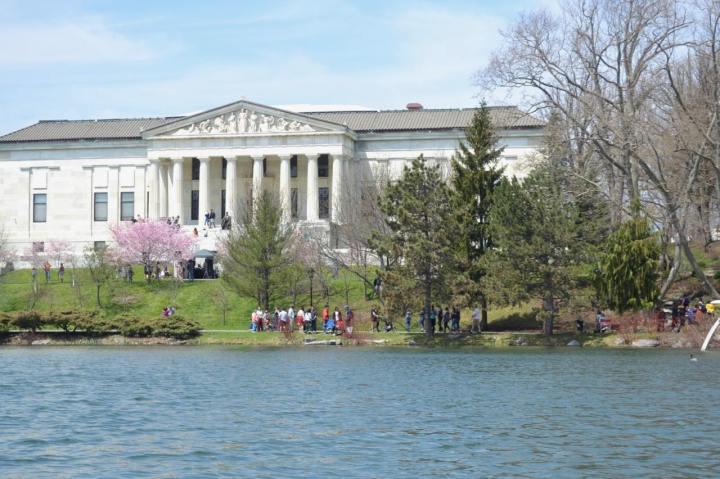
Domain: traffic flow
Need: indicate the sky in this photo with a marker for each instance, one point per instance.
(75, 59)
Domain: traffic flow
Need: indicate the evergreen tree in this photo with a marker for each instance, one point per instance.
(537, 244)
(254, 254)
(475, 175)
(627, 273)
(419, 216)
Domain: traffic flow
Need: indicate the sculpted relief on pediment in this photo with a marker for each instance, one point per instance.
(243, 121)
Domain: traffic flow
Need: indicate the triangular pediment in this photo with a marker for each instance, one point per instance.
(242, 118)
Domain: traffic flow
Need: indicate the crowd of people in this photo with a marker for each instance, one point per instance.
(676, 314)
(303, 319)
(336, 322)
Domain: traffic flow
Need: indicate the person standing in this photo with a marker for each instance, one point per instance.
(291, 318)
(421, 320)
(446, 320)
(313, 319)
(408, 320)
(282, 320)
(375, 319)
(455, 326)
(432, 318)
(476, 320)
(253, 321)
(47, 267)
(61, 272)
(350, 319)
(325, 316)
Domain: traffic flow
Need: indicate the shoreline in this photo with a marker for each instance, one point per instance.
(488, 340)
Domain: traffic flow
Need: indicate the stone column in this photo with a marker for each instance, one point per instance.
(257, 179)
(204, 186)
(163, 191)
(312, 187)
(153, 179)
(177, 177)
(285, 187)
(336, 189)
(231, 187)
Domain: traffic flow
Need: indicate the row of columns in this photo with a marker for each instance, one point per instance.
(167, 199)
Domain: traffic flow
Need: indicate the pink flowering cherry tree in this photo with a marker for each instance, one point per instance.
(150, 241)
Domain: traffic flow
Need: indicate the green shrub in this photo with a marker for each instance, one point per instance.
(174, 326)
(31, 320)
(717, 275)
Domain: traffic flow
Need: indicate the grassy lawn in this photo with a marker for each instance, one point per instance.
(203, 301)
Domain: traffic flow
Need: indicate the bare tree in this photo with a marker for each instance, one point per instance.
(604, 67)
(351, 246)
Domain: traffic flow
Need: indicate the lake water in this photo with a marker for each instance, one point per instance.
(181, 412)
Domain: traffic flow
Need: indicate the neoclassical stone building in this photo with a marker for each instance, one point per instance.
(70, 180)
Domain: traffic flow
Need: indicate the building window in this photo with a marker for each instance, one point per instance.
(293, 167)
(194, 204)
(323, 166)
(101, 207)
(38, 247)
(264, 167)
(324, 202)
(195, 169)
(127, 205)
(222, 203)
(294, 203)
(99, 245)
(224, 168)
(39, 208)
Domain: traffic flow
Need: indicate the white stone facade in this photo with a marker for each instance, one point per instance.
(176, 169)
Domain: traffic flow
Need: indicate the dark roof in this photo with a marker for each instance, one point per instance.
(431, 119)
(359, 121)
(62, 130)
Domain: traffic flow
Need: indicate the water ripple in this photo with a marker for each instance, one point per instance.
(233, 412)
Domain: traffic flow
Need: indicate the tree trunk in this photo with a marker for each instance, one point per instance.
(682, 239)
(677, 257)
(97, 294)
(429, 327)
(549, 304)
(484, 314)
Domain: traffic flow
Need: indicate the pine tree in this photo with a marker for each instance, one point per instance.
(254, 255)
(538, 244)
(418, 213)
(627, 273)
(475, 176)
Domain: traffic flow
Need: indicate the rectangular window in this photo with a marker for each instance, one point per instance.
(294, 203)
(99, 245)
(195, 169)
(39, 208)
(323, 166)
(101, 207)
(127, 205)
(222, 203)
(293, 167)
(324, 195)
(224, 168)
(194, 204)
(38, 246)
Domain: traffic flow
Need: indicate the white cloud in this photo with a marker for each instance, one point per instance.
(85, 40)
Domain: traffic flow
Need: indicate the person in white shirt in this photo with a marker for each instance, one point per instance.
(291, 318)
(283, 319)
(476, 320)
(307, 321)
